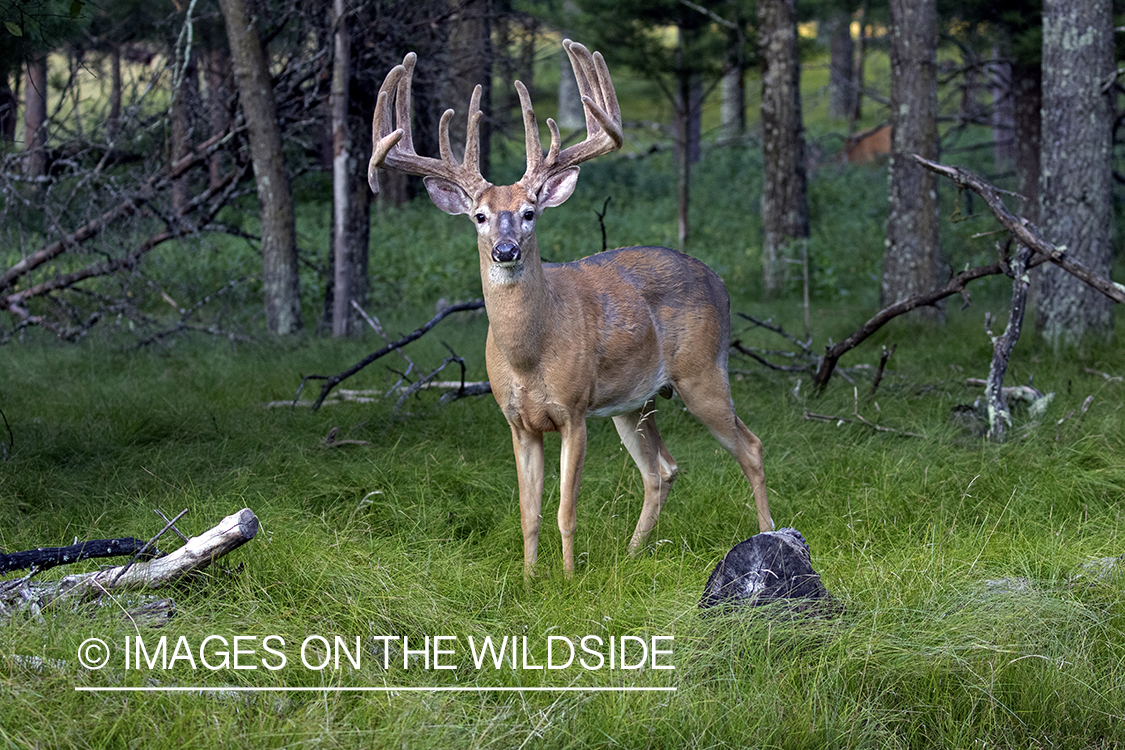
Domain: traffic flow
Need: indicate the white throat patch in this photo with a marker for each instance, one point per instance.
(503, 274)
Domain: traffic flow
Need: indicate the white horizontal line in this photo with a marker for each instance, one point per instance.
(404, 689)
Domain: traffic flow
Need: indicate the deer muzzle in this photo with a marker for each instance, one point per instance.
(505, 252)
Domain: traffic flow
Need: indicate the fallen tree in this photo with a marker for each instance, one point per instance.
(197, 553)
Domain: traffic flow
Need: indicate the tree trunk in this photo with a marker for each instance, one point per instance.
(1003, 115)
(279, 246)
(35, 118)
(912, 257)
(113, 118)
(185, 105)
(785, 203)
(732, 115)
(1075, 199)
(732, 111)
(841, 66)
(350, 207)
(1027, 99)
(687, 131)
(470, 64)
(217, 62)
(857, 73)
(9, 105)
(684, 148)
(572, 114)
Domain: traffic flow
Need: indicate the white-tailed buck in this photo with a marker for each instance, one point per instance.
(601, 336)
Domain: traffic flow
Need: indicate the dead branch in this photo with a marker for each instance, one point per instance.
(1090, 371)
(330, 440)
(377, 326)
(1024, 393)
(422, 382)
(759, 356)
(804, 346)
(955, 285)
(999, 417)
(14, 302)
(857, 418)
(883, 359)
(128, 207)
(331, 381)
(1025, 231)
(10, 447)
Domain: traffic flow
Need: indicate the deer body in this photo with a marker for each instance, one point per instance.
(600, 336)
(636, 308)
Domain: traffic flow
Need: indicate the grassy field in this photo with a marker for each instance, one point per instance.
(971, 612)
(967, 614)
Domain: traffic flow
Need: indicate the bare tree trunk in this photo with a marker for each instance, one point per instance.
(1075, 200)
(1003, 114)
(113, 117)
(9, 105)
(470, 64)
(342, 148)
(858, 72)
(349, 241)
(912, 257)
(785, 203)
(279, 245)
(35, 118)
(572, 116)
(841, 66)
(185, 105)
(217, 61)
(687, 130)
(732, 115)
(1027, 99)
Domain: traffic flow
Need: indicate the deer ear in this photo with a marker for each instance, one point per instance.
(558, 188)
(447, 196)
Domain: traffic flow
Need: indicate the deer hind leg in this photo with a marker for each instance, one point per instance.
(638, 433)
(707, 396)
(573, 456)
(529, 471)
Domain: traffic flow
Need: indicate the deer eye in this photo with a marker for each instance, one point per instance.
(480, 218)
(528, 215)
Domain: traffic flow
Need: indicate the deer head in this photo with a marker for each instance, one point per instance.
(504, 215)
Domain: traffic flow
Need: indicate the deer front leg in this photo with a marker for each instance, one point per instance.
(528, 446)
(573, 456)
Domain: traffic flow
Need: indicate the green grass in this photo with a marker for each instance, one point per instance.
(907, 534)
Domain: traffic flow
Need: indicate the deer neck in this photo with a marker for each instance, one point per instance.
(521, 306)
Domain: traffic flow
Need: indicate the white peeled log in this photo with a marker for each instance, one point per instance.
(199, 552)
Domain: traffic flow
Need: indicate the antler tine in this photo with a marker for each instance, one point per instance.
(472, 132)
(530, 131)
(603, 119)
(383, 139)
(603, 113)
(395, 149)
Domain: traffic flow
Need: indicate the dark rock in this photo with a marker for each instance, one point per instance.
(771, 566)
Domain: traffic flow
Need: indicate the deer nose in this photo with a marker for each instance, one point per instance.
(506, 252)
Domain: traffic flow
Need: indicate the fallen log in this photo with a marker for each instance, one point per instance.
(48, 557)
(199, 552)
